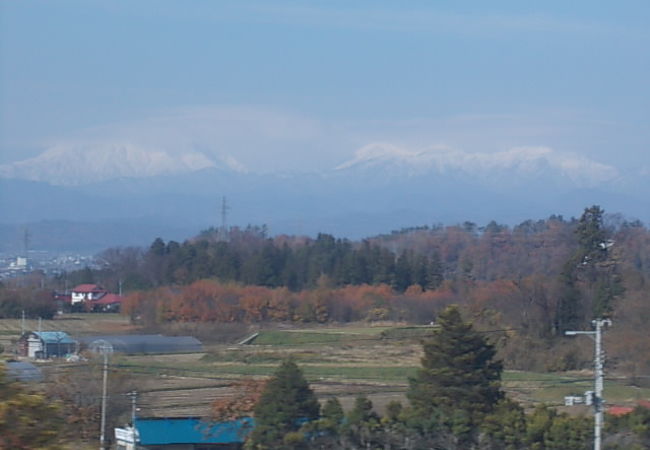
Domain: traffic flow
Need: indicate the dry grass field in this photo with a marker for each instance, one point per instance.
(338, 361)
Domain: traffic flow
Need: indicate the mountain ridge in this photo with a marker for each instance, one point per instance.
(354, 200)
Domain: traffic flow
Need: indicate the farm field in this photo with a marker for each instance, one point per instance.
(74, 324)
(338, 361)
(355, 362)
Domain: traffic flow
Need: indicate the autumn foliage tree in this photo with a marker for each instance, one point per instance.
(240, 402)
(28, 420)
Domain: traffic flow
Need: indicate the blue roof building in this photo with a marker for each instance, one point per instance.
(184, 433)
(46, 344)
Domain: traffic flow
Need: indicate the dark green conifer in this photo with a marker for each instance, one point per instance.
(286, 403)
(459, 380)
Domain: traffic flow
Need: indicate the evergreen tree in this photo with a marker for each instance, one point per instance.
(591, 234)
(505, 427)
(459, 381)
(403, 272)
(434, 273)
(589, 281)
(362, 424)
(568, 313)
(333, 413)
(285, 404)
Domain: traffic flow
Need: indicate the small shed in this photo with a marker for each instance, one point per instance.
(23, 371)
(46, 344)
(147, 343)
(184, 433)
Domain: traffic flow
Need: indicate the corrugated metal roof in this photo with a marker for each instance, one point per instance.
(54, 337)
(192, 430)
(148, 343)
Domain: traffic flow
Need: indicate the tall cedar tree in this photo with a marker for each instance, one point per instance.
(459, 380)
(286, 403)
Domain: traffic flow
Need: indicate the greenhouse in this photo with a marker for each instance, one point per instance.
(142, 343)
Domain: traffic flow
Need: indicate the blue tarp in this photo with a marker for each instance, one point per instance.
(192, 430)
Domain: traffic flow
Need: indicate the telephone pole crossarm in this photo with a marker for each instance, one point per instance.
(595, 397)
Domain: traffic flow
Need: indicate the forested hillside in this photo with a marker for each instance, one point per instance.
(534, 281)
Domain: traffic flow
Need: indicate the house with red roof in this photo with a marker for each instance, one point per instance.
(107, 303)
(623, 410)
(93, 297)
(619, 410)
(86, 292)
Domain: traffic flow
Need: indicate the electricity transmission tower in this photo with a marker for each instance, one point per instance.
(223, 229)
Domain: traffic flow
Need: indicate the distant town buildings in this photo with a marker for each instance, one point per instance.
(12, 265)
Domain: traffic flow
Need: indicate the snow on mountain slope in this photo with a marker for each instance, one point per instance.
(522, 163)
(82, 163)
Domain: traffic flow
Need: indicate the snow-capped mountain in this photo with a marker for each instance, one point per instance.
(382, 187)
(517, 164)
(84, 163)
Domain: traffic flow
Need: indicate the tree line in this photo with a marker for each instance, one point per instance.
(424, 256)
(248, 257)
(455, 401)
(537, 279)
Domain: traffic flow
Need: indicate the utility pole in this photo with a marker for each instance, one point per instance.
(105, 349)
(595, 398)
(134, 396)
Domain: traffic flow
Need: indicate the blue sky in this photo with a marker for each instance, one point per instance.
(310, 82)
